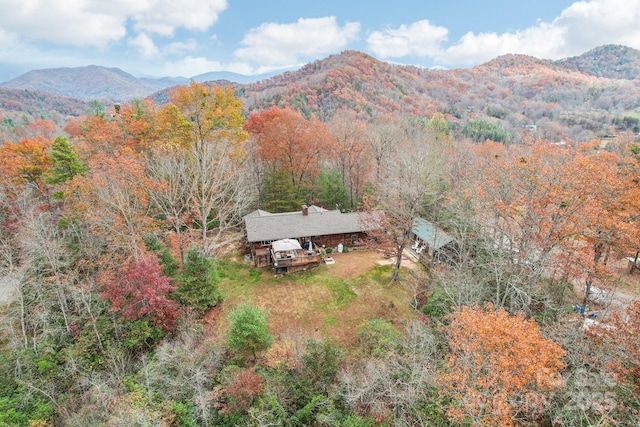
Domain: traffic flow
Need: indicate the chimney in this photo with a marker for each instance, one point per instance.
(305, 210)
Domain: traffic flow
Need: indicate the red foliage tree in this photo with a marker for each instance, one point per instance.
(140, 289)
(242, 389)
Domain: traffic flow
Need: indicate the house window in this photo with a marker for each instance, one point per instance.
(266, 243)
(317, 238)
(354, 239)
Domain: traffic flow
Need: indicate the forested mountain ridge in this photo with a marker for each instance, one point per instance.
(511, 91)
(593, 95)
(611, 61)
(32, 102)
(90, 82)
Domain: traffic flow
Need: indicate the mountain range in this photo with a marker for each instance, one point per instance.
(579, 97)
(101, 83)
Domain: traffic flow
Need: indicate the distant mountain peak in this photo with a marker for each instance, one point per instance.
(88, 82)
(610, 61)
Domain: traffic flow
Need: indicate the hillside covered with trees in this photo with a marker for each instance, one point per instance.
(593, 95)
(121, 235)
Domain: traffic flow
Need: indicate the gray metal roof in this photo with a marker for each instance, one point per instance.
(264, 226)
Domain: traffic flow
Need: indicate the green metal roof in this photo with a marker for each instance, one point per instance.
(435, 237)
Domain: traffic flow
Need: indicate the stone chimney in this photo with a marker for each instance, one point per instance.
(305, 210)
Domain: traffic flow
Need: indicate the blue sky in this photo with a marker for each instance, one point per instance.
(190, 37)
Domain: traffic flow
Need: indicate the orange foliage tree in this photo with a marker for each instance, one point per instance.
(25, 163)
(558, 209)
(126, 125)
(287, 141)
(113, 199)
(608, 184)
(500, 367)
(41, 127)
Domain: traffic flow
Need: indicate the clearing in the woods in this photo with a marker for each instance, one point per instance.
(327, 302)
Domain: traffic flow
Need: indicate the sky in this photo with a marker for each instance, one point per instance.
(185, 38)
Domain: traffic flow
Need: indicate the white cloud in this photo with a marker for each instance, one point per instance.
(597, 22)
(579, 28)
(145, 46)
(420, 38)
(99, 23)
(191, 66)
(273, 44)
(165, 16)
(543, 41)
(76, 22)
(177, 48)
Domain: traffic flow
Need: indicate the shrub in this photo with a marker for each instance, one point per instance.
(378, 337)
(248, 333)
(437, 306)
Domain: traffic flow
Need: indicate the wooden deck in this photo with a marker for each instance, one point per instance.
(299, 261)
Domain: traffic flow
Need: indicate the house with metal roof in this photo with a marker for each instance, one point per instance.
(431, 242)
(312, 225)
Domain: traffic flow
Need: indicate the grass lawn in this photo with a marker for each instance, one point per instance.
(328, 302)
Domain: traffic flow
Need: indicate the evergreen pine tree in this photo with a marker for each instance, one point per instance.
(198, 284)
(65, 162)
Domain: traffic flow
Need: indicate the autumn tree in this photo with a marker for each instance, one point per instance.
(25, 163)
(40, 127)
(107, 129)
(395, 377)
(618, 337)
(607, 223)
(409, 181)
(383, 136)
(500, 367)
(113, 199)
(170, 168)
(207, 123)
(242, 389)
(287, 141)
(140, 289)
(554, 210)
(351, 153)
(523, 207)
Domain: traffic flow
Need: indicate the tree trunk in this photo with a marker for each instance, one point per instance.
(396, 271)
